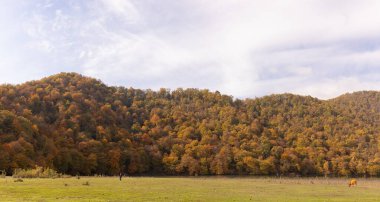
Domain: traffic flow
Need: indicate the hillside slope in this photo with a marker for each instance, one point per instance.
(77, 124)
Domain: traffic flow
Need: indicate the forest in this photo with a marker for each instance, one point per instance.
(77, 125)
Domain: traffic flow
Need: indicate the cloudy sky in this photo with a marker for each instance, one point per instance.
(244, 48)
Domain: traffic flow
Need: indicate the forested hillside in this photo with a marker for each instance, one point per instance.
(78, 125)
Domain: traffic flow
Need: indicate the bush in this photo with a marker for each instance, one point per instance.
(3, 174)
(38, 172)
(19, 180)
(86, 183)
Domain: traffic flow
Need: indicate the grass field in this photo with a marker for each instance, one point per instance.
(188, 189)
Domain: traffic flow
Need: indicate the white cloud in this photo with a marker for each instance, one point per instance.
(122, 7)
(244, 48)
(337, 86)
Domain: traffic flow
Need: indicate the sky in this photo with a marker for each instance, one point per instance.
(243, 48)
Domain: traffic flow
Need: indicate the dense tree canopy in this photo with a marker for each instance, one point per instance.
(77, 124)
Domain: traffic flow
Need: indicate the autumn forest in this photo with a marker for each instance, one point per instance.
(78, 125)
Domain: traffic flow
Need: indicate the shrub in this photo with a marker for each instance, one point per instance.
(86, 183)
(38, 172)
(19, 180)
(3, 174)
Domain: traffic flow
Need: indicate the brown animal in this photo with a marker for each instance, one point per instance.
(353, 182)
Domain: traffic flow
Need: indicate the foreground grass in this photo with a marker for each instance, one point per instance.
(188, 189)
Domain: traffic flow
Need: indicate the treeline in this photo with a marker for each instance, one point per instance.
(78, 125)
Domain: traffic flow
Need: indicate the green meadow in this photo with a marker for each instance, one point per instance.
(188, 189)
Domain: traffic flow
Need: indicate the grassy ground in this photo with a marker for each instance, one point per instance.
(188, 189)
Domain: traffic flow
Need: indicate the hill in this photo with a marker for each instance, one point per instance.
(78, 125)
